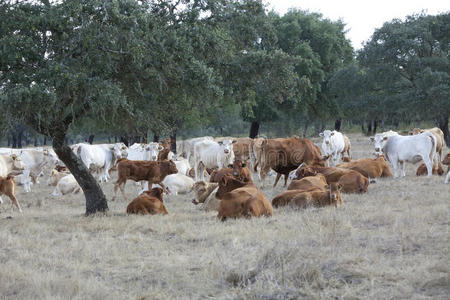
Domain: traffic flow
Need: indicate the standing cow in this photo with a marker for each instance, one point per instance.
(210, 154)
(100, 158)
(333, 145)
(380, 140)
(413, 148)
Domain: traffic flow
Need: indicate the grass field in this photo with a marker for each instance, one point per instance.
(392, 242)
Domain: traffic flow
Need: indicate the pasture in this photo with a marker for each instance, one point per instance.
(392, 242)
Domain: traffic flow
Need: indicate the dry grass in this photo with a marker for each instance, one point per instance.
(392, 242)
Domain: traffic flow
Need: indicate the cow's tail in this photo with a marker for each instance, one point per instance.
(433, 147)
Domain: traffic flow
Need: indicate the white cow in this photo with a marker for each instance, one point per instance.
(66, 185)
(178, 183)
(210, 154)
(380, 140)
(412, 148)
(183, 165)
(144, 151)
(100, 158)
(56, 176)
(35, 161)
(333, 145)
(188, 145)
(11, 164)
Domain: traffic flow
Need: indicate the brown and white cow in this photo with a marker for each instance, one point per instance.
(284, 155)
(137, 170)
(241, 199)
(205, 193)
(8, 188)
(148, 203)
(439, 135)
(422, 170)
(369, 167)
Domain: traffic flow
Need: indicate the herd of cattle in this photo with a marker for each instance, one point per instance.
(220, 171)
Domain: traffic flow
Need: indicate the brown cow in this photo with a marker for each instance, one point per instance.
(238, 169)
(369, 167)
(164, 153)
(137, 170)
(422, 170)
(317, 181)
(241, 199)
(284, 155)
(351, 181)
(241, 148)
(148, 203)
(204, 193)
(437, 132)
(8, 188)
(318, 198)
(286, 197)
(347, 146)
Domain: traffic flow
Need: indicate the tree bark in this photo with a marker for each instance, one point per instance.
(443, 125)
(173, 141)
(19, 138)
(95, 198)
(124, 140)
(369, 127)
(337, 124)
(9, 140)
(35, 141)
(45, 141)
(375, 126)
(155, 138)
(14, 141)
(91, 139)
(305, 128)
(363, 130)
(254, 130)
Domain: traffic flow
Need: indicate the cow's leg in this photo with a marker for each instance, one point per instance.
(403, 168)
(122, 190)
(116, 186)
(429, 164)
(164, 187)
(14, 201)
(286, 176)
(395, 165)
(1, 200)
(447, 178)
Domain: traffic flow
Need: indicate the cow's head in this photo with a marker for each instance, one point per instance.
(379, 140)
(17, 165)
(172, 167)
(153, 149)
(237, 167)
(51, 156)
(335, 194)
(416, 131)
(202, 190)
(227, 145)
(446, 160)
(156, 192)
(119, 150)
(327, 134)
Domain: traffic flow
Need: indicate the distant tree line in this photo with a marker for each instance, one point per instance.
(141, 70)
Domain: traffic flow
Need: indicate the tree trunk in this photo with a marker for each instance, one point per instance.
(9, 140)
(305, 128)
(155, 138)
(91, 139)
(124, 140)
(95, 198)
(375, 126)
(337, 125)
(19, 139)
(443, 125)
(173, 141)
(369, 127)
(45, 141)
(254, 130)
(363, 130)
(14, 141)
(35, 141)
(382, 125)
(109, 139)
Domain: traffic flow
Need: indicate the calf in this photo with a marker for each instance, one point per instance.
(137, 170)
(148, 203)
(8, 188)
(56, 176)
(317, 198)
(66, 185)
(369, 167)
(422, 170)
(438, 134)
(206, 193)
(238, 169)
(241, 199)
(286, 197)
(164, 153)
(178, 183)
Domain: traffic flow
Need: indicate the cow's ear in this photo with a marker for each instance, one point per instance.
(410, 133)
(372, 139)
(244, 165)
(340, 186)
(422, 131)
(326, 187)
(224, 180)
(220, 143)
(230, 166)
(332, 133)
(321, 134)
(160, 148)
(385, 138)
(234, 141)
